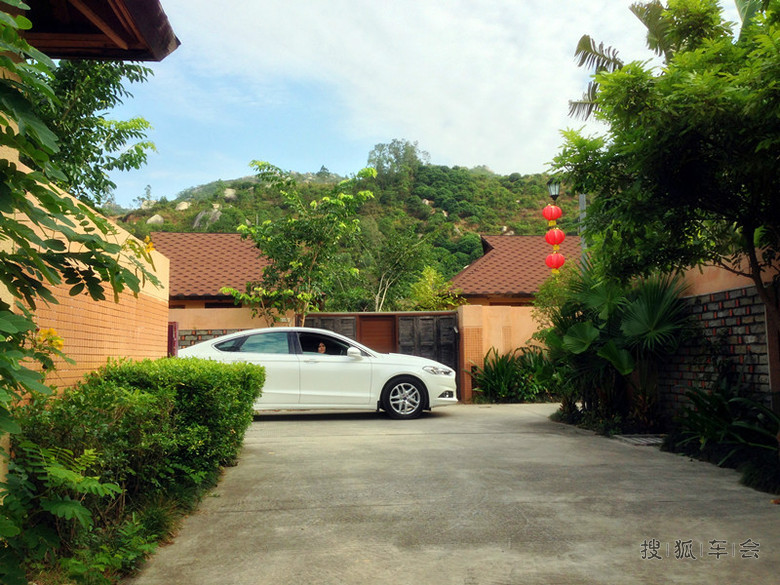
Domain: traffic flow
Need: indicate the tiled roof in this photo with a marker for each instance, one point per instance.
(512, 265)
(201, 264)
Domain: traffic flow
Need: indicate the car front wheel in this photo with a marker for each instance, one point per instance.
(403, 398)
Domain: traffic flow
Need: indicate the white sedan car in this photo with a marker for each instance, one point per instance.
(317, 369)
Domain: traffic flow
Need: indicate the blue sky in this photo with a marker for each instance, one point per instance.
(307, 83)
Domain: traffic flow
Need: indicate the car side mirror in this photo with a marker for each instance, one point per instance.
(354, 352)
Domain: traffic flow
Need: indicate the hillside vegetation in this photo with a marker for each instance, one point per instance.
(441, 211)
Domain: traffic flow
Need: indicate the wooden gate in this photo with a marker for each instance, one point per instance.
(430, 335)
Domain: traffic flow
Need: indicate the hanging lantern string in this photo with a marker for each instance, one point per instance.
(555, 237)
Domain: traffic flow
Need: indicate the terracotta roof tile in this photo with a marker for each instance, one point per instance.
(201, 264)
(512, 265)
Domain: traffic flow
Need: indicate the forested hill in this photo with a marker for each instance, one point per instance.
(447, 208)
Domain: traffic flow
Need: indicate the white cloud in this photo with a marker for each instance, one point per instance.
(473, 81)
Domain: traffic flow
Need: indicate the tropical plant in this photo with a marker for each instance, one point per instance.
(508, 377)
(684, 25)
(687, 173)
(302, 247)
(432, 292)
(611, 339)
(44, 497)
(91, 144)
(497, 378)
(728, 421)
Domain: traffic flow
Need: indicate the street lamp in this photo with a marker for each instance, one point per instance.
(554, 188)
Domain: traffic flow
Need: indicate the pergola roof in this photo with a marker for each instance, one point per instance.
(128, 30)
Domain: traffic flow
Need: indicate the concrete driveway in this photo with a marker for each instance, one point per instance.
(467, 495)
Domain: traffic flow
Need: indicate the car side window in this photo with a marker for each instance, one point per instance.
(269, 342)
(273, 342)
(230, 344)
(322, 344)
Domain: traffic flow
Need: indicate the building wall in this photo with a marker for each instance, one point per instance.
(483, 327)
(710, 279)
(231, 318)
(733, 338)
(94, 331)
(494, 300)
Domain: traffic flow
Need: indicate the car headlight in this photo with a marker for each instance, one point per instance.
(437, 371)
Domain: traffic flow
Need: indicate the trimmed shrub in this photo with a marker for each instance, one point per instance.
(99, 472)
(155, 423)
(212, 403)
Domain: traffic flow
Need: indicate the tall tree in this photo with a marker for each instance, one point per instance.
(301, 248)
(433, 292)
(395, 260)
(92, 144)
(667, 32)
(396, 163)
(689, 171)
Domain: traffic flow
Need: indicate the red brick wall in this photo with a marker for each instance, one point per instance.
(733, 331)
(188, 337)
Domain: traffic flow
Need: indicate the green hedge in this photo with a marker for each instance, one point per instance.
(97, 471)
(155, 423)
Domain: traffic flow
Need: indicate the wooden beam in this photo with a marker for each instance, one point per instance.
(95, 19)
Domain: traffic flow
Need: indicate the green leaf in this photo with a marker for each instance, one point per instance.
(32, 381)
(621, 359)
(8, 529)
(580, 337)
(55, 245)
(8, 424)
(11, 323)
(67, 509)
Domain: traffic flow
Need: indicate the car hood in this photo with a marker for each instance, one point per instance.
(409, 360)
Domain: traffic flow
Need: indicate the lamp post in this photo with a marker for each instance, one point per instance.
(554, 189)
(554, 236)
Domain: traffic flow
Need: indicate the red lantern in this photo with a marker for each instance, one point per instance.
(555, 260)
(552, 212)
(555, 237)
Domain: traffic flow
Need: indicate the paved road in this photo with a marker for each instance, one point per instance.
(468, 495)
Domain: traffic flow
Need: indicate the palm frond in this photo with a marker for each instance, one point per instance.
(584, 108)
(597, 57)
(748, 9)
(651, 15)
(656, 318)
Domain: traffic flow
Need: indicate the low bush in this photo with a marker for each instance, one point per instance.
(507, 378)
(731, 429)
(100, 473)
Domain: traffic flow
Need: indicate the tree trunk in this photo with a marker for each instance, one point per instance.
(768, 293)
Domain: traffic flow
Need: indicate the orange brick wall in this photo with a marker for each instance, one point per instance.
(93, 331)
